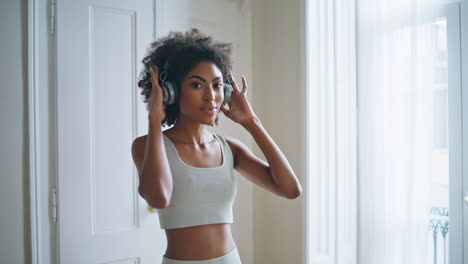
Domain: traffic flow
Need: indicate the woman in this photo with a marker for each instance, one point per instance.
(186, 172)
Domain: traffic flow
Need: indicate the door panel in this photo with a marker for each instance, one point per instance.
(101, 217)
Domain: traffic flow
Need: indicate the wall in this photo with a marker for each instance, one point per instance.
(277, 91)
(14, 188)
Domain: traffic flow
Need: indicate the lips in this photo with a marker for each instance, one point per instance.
(209, 108)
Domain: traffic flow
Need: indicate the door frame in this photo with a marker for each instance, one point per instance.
(40, 80)
(455, 105)
(464, 88)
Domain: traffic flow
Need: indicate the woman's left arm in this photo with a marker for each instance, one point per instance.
(276, 175)
(279, 168)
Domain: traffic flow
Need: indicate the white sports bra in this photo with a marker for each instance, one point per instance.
(200, 195)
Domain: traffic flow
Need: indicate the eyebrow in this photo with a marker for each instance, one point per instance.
(203, 80)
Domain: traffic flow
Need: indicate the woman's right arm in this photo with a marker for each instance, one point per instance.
(150, 158)
(155, 174)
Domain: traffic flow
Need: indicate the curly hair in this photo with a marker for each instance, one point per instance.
(178, 53)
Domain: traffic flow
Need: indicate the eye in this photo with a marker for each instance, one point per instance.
(196, 85)
(219, 85)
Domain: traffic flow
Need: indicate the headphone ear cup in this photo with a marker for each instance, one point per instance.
(227, 92)
(170, 93)
(165, 93)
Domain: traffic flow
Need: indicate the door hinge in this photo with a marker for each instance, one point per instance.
(52, 17)
(54, 206)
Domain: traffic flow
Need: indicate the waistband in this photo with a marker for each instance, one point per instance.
(230, 258)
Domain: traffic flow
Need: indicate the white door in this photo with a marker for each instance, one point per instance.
(101, 217)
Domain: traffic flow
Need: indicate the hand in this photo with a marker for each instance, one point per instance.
(239, 108)
(157, 106)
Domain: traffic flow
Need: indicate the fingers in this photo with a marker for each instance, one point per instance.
(234, 84)
(223, 109)
(154, 76)
(244, 85)
(156, 91)
(154, 79)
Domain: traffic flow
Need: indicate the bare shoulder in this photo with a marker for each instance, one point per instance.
(236, 145)
(138, 150)
(139, 143)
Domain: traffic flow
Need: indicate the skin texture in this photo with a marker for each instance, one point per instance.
(197, 147)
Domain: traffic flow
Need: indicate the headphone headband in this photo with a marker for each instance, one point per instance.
(171, 91)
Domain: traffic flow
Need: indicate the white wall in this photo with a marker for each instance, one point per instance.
(14, 201)
(277, 90)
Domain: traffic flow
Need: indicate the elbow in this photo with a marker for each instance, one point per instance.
(153, 200)
(158, 203)
(294, 194)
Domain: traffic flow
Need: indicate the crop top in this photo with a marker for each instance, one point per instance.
(200, 195)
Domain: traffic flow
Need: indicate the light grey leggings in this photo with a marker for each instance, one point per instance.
(230, 258)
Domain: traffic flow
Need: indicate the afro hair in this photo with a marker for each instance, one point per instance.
(178, 53)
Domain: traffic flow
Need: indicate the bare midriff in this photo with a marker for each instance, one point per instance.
(199, 242)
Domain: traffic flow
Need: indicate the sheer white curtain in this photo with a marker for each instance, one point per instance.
(400, 47)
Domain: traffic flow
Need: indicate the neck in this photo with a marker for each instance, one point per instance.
(191, 132)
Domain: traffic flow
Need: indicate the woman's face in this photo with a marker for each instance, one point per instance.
(201, 93)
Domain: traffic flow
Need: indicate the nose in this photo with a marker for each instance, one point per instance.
(210, 94)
